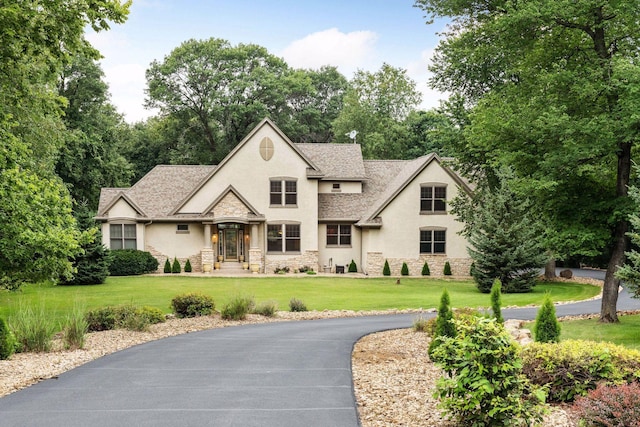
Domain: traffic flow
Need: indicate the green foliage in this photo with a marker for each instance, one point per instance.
(33, 329)
(7, 341)
(237, 308)
(447, 269)
(504, 237)
(75, 329)
(630, 272)
(496, 301)
(425, 324)
(131, 262)
(610, 406)
(386, 271)
(547, 327)
(573, 368)
(121, 316)
(187, 266)
(167, 266)
(296, 305)
(405, 269)
(175, 268)
(192, 305)
(352, 267)
(484, 384)
(444, 322)
(153, 315)
(266, 309)
(425, 269)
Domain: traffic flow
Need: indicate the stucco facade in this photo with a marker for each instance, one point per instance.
(272, 204)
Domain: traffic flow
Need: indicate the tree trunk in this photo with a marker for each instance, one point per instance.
(550, 269)
(608, 311)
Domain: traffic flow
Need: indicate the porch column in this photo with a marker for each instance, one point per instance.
(254, 236)
(207, 236)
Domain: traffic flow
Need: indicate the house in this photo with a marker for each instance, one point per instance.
(272, 203)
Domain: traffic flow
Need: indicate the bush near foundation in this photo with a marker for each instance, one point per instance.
(405, 269)
(192, 305)
(131, 262)
(614, 406)
(167, 266)
(572, 368)
(187, 267)
(425, 269)
(447, 269)
(175, 268)
(386, 270)
(353, 268)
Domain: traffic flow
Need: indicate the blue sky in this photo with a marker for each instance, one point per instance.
(349, 34)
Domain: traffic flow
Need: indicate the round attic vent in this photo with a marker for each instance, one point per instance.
(266, 148)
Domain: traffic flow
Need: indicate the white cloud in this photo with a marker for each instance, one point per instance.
(126, 84)
(418, 71)
(347, 51)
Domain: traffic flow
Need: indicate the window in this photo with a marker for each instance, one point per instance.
(433, 241)
(283, 234)
(123, 236)
(336, 187)
(339, 234)
(287, 198)
(433, 198)
(182, 228)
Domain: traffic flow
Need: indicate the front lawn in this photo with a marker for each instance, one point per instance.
(317, 292)
(626, 333)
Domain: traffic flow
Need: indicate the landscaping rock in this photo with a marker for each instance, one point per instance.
(566, 274)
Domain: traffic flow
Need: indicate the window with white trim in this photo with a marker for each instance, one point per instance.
(283, 192)
(338, 235)
(433, 198)
(433, 241)
(122, 236)
(283, 237)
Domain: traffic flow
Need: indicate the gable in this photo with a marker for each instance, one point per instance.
(231, 206)
(122, 208)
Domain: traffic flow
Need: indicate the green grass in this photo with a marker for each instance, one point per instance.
(318, 293)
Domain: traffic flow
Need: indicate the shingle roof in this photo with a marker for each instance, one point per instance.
(336, 161)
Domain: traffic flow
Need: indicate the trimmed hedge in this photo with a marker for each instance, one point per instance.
(131, 262)
(192, 305)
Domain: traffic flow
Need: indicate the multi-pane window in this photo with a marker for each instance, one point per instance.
(433, 241)
(288, 197)
(339, 234)
(283, 238)
(122, 236)
(433, 198)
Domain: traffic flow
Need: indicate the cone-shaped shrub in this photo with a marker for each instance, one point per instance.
(175, 268)
(496, 300)
(425, 269)
(353, 268)
(386, 271)
(187, 267)
(547, 327)
(167, 266)
(447, 269)
(444, 324)
(405, 269)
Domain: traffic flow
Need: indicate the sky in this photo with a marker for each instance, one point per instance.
(349, 34)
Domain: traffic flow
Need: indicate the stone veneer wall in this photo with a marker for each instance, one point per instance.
(308, 258)
(195, 260)
(459, 266)
(230, 206)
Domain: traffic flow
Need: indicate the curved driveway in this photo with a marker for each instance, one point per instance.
(277, 374)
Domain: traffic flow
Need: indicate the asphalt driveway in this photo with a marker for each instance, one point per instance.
(278, 374)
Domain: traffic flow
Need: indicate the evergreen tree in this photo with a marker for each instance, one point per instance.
(547, 327)
(405, 269)
(444, 324)
(504, 239)
(353, 268)
(447, 269)
(167, 266)
(386, 270)
(425, 269)
(175, 268)
(187, 267)
(496, 300)
(630, 272)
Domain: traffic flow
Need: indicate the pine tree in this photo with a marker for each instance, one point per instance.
(405, 269)
(444, 324)
(447, 269)
(630, 272)
(425, 269)
(175, 268)
(386, 270)
(496, 300)
(547, 327)
(352, 267)
(187, 266)
(167, 266)
(504, 239)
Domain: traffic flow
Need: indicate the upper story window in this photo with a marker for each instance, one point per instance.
(122, 236)
(283, 237)
(283, 192)
(433, 198)
(338, 235)
(433, 241)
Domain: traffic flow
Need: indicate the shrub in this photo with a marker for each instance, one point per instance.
(167, 266)
(153, 314)
(297, 305)
(281, 270)
(484, 385)
(444, 326)
(75, 329)
(547, 327)
(496, 300)
(266, 309)
(425, 269)
(131, 262)
(386, 271)
(572, 368)
(187, 267)
(7, 341)
(311, 272)
(92, 266)
(192, 305)
(116, 317)
(33, 330)
(352, 267)
(610, 406)
(425, 324)
(447, 269)
(405, 269)
(175, 268)
(101, 319)
(237, 308)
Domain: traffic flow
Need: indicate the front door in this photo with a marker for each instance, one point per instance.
(231, 244)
